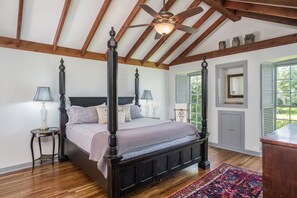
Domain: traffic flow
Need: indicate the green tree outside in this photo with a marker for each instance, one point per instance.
(286, 95)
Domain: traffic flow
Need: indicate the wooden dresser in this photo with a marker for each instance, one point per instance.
(280, 163)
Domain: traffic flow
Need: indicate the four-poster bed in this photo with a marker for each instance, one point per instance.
(126, 175)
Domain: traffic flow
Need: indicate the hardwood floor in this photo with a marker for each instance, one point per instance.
(66, 180)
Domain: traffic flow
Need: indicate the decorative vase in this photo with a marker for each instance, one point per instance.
(222, 45)
(249, 38)
(235, 41)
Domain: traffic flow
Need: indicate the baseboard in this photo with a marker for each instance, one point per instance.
(254, 153)
(21, 166)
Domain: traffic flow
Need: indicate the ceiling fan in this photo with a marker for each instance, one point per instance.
(164, 22)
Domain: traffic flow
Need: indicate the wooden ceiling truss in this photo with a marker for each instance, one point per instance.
(129, 20)
(217, 5)
(205, 34)
(61, 24)
(19, 24)
(95, 26)
(284, 40)
(277, 11)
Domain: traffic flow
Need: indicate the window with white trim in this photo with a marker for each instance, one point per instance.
(285, 95)
(195, 99)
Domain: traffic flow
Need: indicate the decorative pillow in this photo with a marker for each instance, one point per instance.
(79, 115)
(102, 114)
(126, 110)
(135, 112)
(121, 117)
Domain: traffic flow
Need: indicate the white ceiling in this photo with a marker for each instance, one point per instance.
(41, 18)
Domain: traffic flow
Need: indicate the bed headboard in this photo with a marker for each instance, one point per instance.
(93, 101)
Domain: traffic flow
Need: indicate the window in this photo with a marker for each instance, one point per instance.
(195, 99)
(188, 95)
(278, 95)
(285, 95)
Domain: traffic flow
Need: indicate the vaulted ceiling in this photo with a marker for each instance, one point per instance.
(79, 28)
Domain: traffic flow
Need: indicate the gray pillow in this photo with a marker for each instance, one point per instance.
(79, 115)
(135, 112)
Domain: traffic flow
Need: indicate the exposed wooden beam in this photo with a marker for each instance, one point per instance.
(263, 17)
(263, 9)
(284, 40)
(95, 26)
(148, 30)
(286, 3)
(195, 3)
(20, 19)
(185, 36)
(201, 38)
(129, 20)
(63, 51)
(132, 61)
(217, 5)
(61, 23)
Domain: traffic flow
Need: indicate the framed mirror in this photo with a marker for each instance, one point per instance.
(235, 88)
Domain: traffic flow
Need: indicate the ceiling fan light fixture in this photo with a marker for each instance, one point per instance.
(164, 28)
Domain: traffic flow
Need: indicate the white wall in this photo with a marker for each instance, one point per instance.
(20, 74)
(252, 113)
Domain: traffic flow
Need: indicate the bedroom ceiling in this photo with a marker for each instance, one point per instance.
(79, 28)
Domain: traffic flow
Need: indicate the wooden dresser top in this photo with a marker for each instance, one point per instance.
(285, 136)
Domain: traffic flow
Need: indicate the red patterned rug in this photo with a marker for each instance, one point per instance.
(225, 181)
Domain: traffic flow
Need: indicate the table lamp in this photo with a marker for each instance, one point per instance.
(43, 94)
(147, 95)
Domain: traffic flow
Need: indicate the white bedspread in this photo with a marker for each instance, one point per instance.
(82, 134)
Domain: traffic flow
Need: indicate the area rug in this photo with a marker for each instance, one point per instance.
(226, 181)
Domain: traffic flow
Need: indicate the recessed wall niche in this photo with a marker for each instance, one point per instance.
(232, 85)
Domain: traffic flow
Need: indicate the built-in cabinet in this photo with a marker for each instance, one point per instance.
(231, 129)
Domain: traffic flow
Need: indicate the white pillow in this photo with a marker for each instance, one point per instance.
(102, 114)
(121, 117)
(126, 110)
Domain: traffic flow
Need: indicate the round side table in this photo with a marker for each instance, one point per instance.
(51, 131)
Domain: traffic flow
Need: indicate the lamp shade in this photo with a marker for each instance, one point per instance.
(43, 94)
(147, 95)
(164, 28)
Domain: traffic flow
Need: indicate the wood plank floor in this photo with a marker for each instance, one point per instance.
(66, 180)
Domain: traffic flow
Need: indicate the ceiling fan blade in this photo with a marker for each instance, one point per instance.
(140, 25)
(158, 36)
(150, 10)
(185, 28)
(187, 13)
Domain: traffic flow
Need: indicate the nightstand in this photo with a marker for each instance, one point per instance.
(52, 131)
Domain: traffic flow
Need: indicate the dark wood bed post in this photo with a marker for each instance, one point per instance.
(112, 156)
(137, 88)
(204, 164)
(62, 108)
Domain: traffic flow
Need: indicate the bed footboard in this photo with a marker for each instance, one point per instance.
(147, 169)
